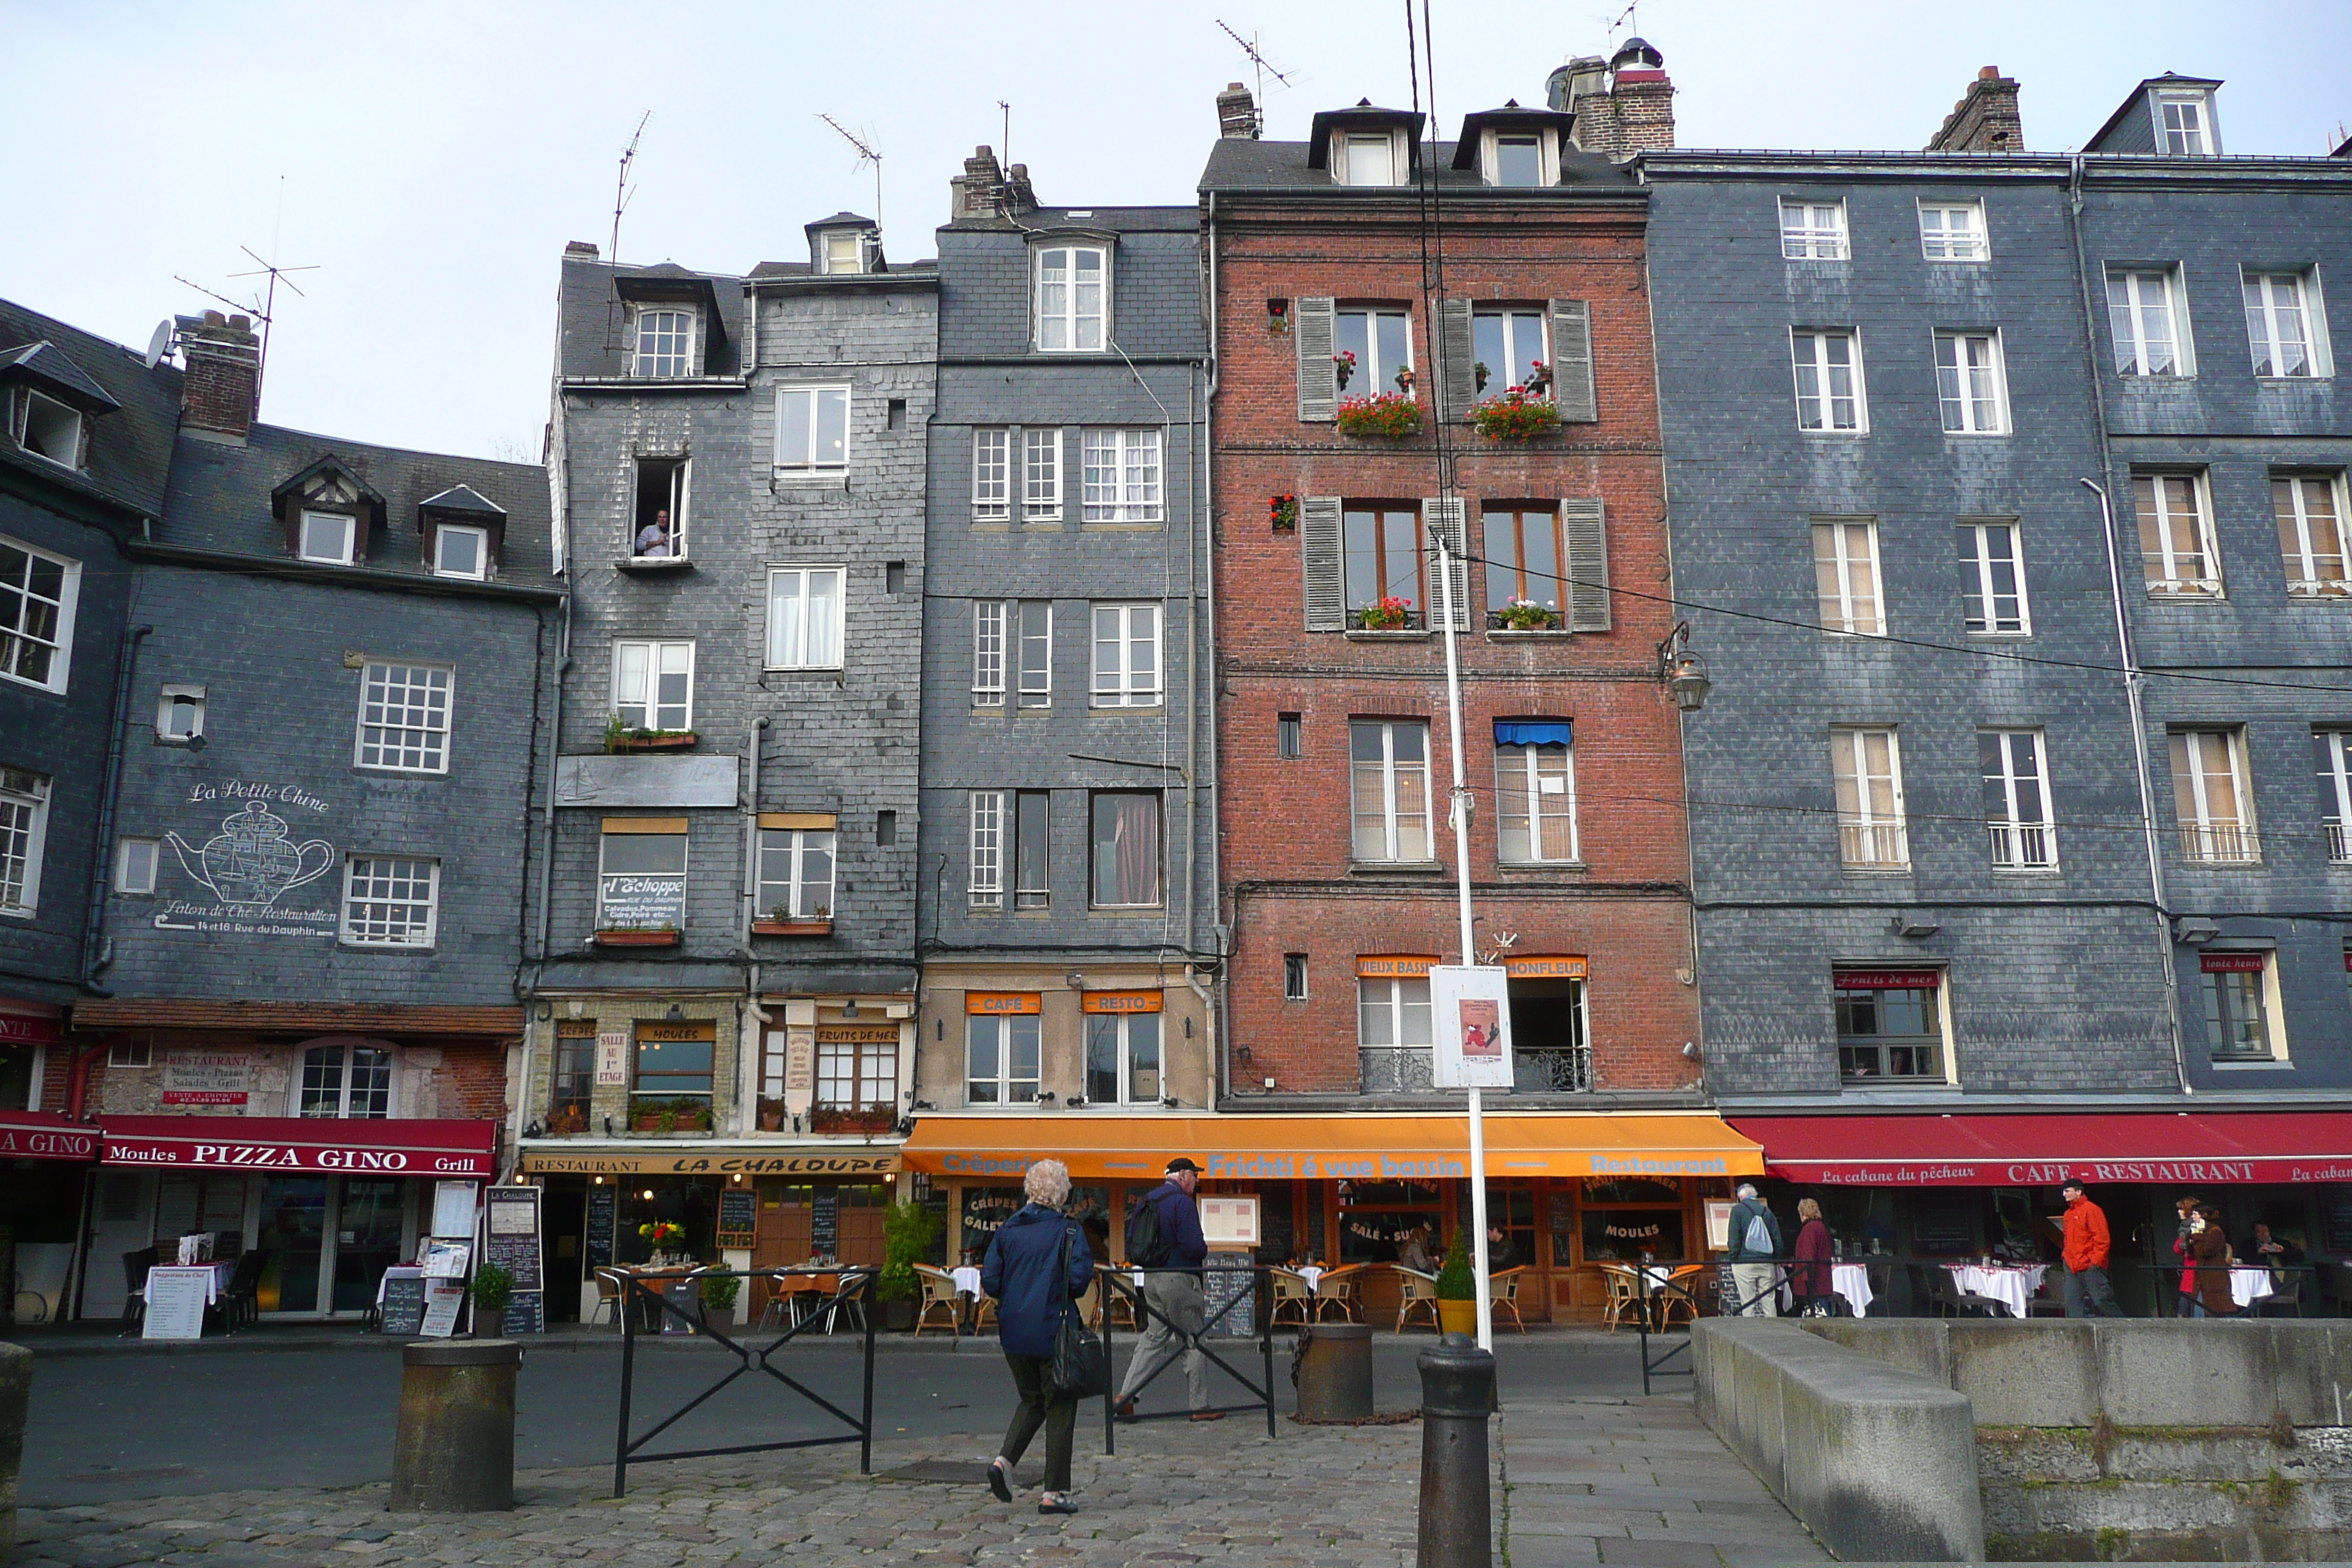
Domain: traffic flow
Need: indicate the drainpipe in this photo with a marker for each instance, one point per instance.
(101, 856)
(1220, 1016)
(2133, 678)
(750, 1037)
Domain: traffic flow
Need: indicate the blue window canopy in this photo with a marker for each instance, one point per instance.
(1532, 732)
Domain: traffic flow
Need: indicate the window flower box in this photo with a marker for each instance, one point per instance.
(619, 737)
(1391, 614)
(662, 936)
(792, 928)
(1386, 414)
(1523, 616)
(1282, 513)
(867, 1120)
(1519, 414)
(669, 1116)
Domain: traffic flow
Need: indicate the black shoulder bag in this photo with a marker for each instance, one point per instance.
(1080, 1370)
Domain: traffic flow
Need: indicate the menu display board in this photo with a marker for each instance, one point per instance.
(526, 1314)
(1228, 1278)
(739, 1209)
(825, 1223)
(442, 1299)
(682, 1294)
(514, 1242)
(453, 1208)
(2337, 1214)
(176, 1299)
(402, 1302)
(600, 1225)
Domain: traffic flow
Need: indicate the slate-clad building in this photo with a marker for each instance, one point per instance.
(725, 980)
(304, 1010)
(1067, 904)
(1955, 918)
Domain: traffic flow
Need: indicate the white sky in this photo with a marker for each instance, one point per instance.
(432, 158)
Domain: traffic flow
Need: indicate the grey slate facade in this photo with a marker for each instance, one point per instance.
(1054, 726)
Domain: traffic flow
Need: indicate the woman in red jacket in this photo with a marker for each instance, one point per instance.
(1810, 1276)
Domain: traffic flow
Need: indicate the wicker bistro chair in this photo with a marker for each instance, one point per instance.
(1503, 1296)
(1291, 1295)
(1418, 1289)
(1625, 1293)
(939, 1295)
(1683, 1296)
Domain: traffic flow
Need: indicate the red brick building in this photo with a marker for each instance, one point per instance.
(1369, 278)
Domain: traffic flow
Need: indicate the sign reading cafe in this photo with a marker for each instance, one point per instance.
(250, 865)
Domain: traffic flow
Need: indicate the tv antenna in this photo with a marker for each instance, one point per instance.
(262, 307)
(1264, 67)
(621, 191)
(1624, 21)
(1005, 146)
(866, 154)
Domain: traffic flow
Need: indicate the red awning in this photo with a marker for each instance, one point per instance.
(30, 1135)
(2028, 1150)
(392, 1147)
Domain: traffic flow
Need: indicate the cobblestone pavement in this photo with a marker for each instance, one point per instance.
(1636, 1481)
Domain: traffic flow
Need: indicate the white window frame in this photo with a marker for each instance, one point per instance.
(371, 910)
(646, 366)
(1808, 350)
(658, 654)
(2205, 838)
(1122, 1028)
(1817, 232)
(1869, 838)
(1005, 1087)
(133, 856)
(1064, 316)
(2334, 759)
(168, 698)
(1499, 378)
(1028, 894)
(1344, 142)
(2195, 132)
(2215, 987)
(984, 885)
(63, 418)
(1122, 476)
(1981, 595)
(2301, 556)
(24, 837)
(2265, 312)
(1402, 1003)
(795, 890)
(825, 252)
(299, 1089)
(1031, 625)
(1394, 821)
(443, 532)
(680, 489)
(1490, 157)
(349, 529)
(2128, 289)
(1971, 242)
(991, 473)
(2016, 840)
(1370, 379)
(429, 740)
(2166, 559)
(1853, 598)
(1041, 474)
(1974, 392)
(14, 634)
(811, 426)
(1558, 804)
(798, 656)
(1096, 848)
(990, 620)
(604, 879)
(1129, 635)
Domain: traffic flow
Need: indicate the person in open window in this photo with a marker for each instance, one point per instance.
(654, 538)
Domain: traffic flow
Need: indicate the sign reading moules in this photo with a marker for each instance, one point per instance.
(1470, 1025)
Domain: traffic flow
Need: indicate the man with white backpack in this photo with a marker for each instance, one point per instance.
(1755, 1238)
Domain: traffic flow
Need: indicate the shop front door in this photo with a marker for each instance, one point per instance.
(293, 1229)
(368, 1233)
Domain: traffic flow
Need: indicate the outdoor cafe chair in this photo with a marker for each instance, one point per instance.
(608, 1299)
(1681, 1295)
(135, 1265)
(1291, 1295)
(2285, 1300)
(1338, 1288)
(938, 1296)
(1419, 1289)
(1503, 1294)
(1625, 1295)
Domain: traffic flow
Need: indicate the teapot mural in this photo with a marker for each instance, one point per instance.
(251, 862)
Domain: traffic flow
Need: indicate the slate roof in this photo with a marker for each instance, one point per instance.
(1118, 220)
(45, 362)
(219, 498)
(130, 449)
(2138, 102)
(591, 318)
(1243, 167)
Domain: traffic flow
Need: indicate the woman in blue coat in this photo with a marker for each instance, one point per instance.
(1037, 1263)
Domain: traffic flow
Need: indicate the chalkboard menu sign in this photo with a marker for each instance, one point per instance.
(403, 1303)
(739, 1210)
(600, 1225)
(825, 1223)
(2338, 1214)
(1276, 1239)
(1942, 1226)
(684, 1293)
(514, 1234)
(526, 1314)
(1228, 1278)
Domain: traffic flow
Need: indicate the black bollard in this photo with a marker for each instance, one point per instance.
(1457, 1391)
(453, 1451)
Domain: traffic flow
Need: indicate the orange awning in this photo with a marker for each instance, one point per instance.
(1340, 1146)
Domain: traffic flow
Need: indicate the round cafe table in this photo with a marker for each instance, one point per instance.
(2248, 1286)
(2012, 1288)
(1851, 1281)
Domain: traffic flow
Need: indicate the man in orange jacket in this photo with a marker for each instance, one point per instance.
(2087, 1291)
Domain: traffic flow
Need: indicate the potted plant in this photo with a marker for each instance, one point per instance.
(1389, 413)
(1343, 367)
(567, 1121)
(661, 1236)
(910, 1231)
(1519, 414)
(1391, 614)
(718, 1292)
(623, 737)
(1457, 1288)
(1527, 615)
(1282, 511)
(689, 1116)
(781, 922)
(493, 1287)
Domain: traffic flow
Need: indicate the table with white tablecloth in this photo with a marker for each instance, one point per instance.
(2011, 1286)
(2248, 1286)
(1851, 1281)
(1310, 1273)
(967, 1279)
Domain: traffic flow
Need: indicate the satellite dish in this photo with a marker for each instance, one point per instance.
(160, 343)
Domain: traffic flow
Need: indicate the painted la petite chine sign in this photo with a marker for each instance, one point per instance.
(254, 866)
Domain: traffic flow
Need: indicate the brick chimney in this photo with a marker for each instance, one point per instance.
(974, 193)
(1985, 121)
(1644, 98)
(1236, 113)
(1018, 196)
(223, 384)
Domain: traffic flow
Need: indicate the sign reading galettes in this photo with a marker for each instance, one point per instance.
(388, 1147)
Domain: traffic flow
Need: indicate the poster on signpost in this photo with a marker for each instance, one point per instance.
(442, 1299)
(1470, 1022)
(176, 1299)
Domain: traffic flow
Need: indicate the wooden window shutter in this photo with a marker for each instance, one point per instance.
(1587, 590)
(1316, 330)
(1456, 356)
(1444, 518)
(1572, 362)
(1319, 563)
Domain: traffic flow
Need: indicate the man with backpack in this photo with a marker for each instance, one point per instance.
(1163, 1240)
(1754, 1241)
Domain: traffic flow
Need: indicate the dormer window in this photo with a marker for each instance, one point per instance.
(1073, 297)
(844, 251)
(664, 344)
(1518, 159)
(1369, 158)
(459, 550)
(2183, 125)
(48, 429)
(328, 537)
